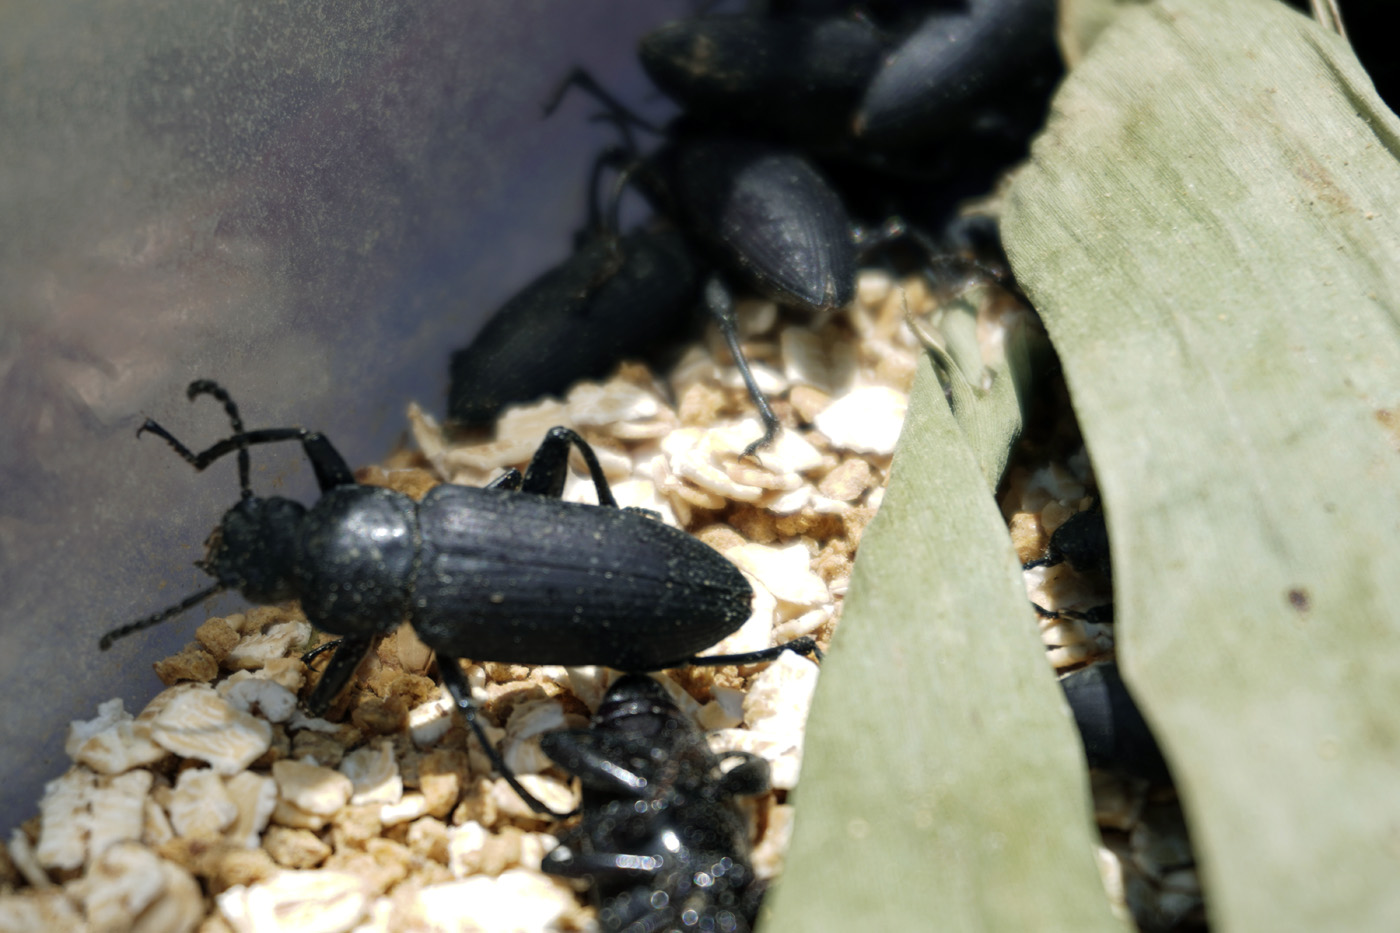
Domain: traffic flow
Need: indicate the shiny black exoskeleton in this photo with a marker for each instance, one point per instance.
(1116, 737)
(762, 214)
(613, 298)
(943, 74)
(909, 107)
(1082, 541)
(659, 842)
(794, 79)
(610, 300)
(856, 85)
(507, 572)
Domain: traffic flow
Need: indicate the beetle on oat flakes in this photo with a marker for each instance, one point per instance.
(508, 572)
(758, 212)
(659, 841)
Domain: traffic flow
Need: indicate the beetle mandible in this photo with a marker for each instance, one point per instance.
(659, 840)
(507, 572)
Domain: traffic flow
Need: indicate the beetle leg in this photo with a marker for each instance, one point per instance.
(210, 387)
(604, 219)
(804, 645)
(349, 652)
(618, 112)
(721, 306)
(330, 467)
(603, 867)
(456, 683)
(321, 649)
(550, 465)
(592, 756)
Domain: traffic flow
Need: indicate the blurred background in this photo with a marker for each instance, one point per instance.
(312, 204)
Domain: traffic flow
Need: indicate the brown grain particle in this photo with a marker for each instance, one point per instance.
(295, 848)
(217, 637)
(192, 664)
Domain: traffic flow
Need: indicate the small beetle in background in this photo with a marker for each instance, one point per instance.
(840, 81)
(908, 108)
(953, 70)
(614, 297)
(659, 842)
(760, 213)
(507, 572)
(791, 79)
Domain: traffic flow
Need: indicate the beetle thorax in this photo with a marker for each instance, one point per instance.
(357, 560)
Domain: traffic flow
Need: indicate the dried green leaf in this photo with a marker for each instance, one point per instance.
(943, 785)
(989, 397)
(1210, 227)
(1081, 21)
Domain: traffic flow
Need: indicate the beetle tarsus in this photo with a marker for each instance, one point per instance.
(804, 645)
(350, 650)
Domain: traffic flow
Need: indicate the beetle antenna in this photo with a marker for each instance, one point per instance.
(200, 461)
(159, 617)
(210, 387)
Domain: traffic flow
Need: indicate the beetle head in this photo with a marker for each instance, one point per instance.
(253, 549)
(639, 706)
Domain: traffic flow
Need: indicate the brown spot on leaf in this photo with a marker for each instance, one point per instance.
(1389, 420)
(1298, 598)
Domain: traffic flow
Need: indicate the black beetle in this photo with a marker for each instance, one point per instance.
(1116, 737)
(795, 79)
(507, 572)
(660, 841)
(1082, 542)
(898, 91)
(941, 75)
(613, 297)
(761, 212)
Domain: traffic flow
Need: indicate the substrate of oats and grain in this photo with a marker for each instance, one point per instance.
(222, 807)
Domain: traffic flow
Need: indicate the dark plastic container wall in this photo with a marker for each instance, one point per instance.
(311, 203)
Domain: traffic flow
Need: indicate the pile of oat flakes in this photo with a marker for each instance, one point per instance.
(222, 807)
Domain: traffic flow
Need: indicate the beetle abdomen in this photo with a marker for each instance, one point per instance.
(771, 212)
(525, 579)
